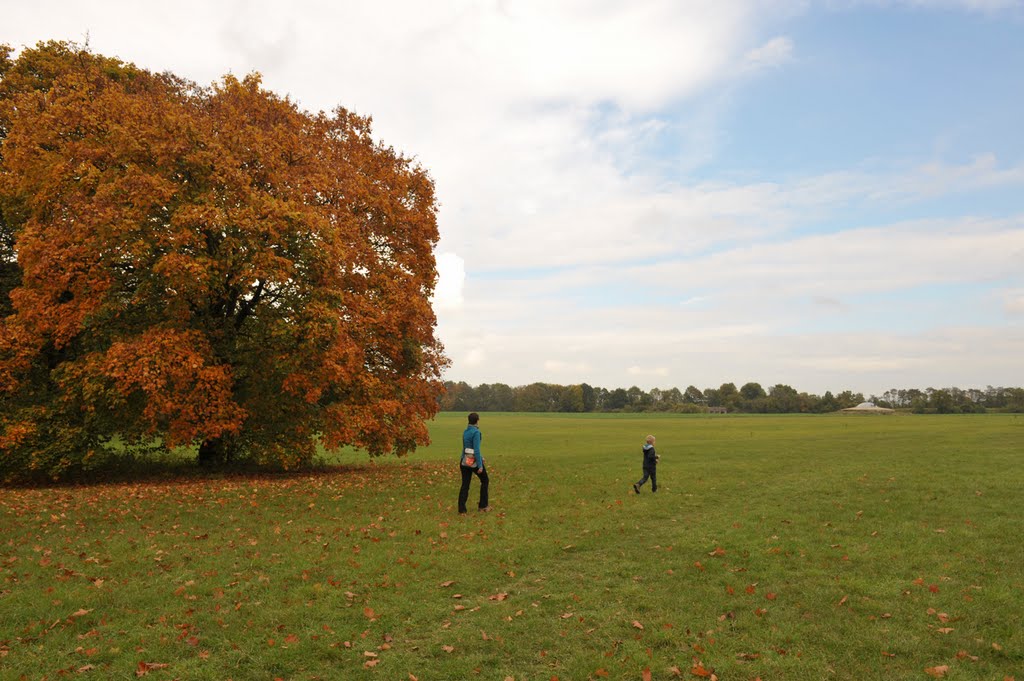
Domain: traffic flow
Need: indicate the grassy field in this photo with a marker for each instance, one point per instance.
(777, 547)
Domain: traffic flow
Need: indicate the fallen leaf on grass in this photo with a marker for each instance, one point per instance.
(646, 674)
(445, 585)
(944, 630)
(698, 669)
(842, 601)
(637, 625)
(448, 649)
(498, 597)
(938, 672)
(370, 664)
(964, 655)
(146, 667)
(370, 614)
(718, 552)
(602, 672)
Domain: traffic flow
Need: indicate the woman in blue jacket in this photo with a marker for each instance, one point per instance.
(472, 461)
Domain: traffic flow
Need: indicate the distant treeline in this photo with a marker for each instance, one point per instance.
(751, 398)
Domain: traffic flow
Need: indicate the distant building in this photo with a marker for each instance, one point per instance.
(866, 408)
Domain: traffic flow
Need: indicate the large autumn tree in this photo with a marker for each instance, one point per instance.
(216, 266)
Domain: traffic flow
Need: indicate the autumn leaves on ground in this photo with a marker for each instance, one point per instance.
(776, 548)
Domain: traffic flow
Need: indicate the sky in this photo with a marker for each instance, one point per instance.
(659, 193)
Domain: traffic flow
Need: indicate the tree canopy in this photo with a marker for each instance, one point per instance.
(204, 265)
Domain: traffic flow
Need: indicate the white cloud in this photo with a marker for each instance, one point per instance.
(1014, 302)
(475, 357)
(775, 52)
(554, 366)
(659, 372)
(451, 278)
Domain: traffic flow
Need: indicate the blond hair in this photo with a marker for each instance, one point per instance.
(650, 439)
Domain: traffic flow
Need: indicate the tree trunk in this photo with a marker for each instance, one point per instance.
(215, 452)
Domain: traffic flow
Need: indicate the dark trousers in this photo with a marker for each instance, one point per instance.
(467, 476)
(651, 473)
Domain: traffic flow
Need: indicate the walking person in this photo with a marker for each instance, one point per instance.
(472, 461)
(650, 466)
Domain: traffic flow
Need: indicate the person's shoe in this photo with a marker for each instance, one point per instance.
(485, 509)
(635, 488)
(655, 489)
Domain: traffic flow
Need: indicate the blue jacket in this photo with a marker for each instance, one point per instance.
(471, 440)
(650, 460)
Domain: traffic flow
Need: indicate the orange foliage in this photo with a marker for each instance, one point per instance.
(207, 265)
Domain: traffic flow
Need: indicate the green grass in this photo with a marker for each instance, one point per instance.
(779, 547)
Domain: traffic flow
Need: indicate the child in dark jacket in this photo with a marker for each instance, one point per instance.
(650, 466)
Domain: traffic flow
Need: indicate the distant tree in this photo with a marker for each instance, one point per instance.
(847, 399)
(752, 391)
(589, 397)
(753, 398)
(996, 398)
(941, 401)
(783, 398)
(1014, 399)
(503, 398)
(617, 399)
(537, 397)
(729, 396)
(571, 399)
(459, 396)
(693, 395)
(204, 265)
(672, 397)
(637, 397)
(828, 403)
